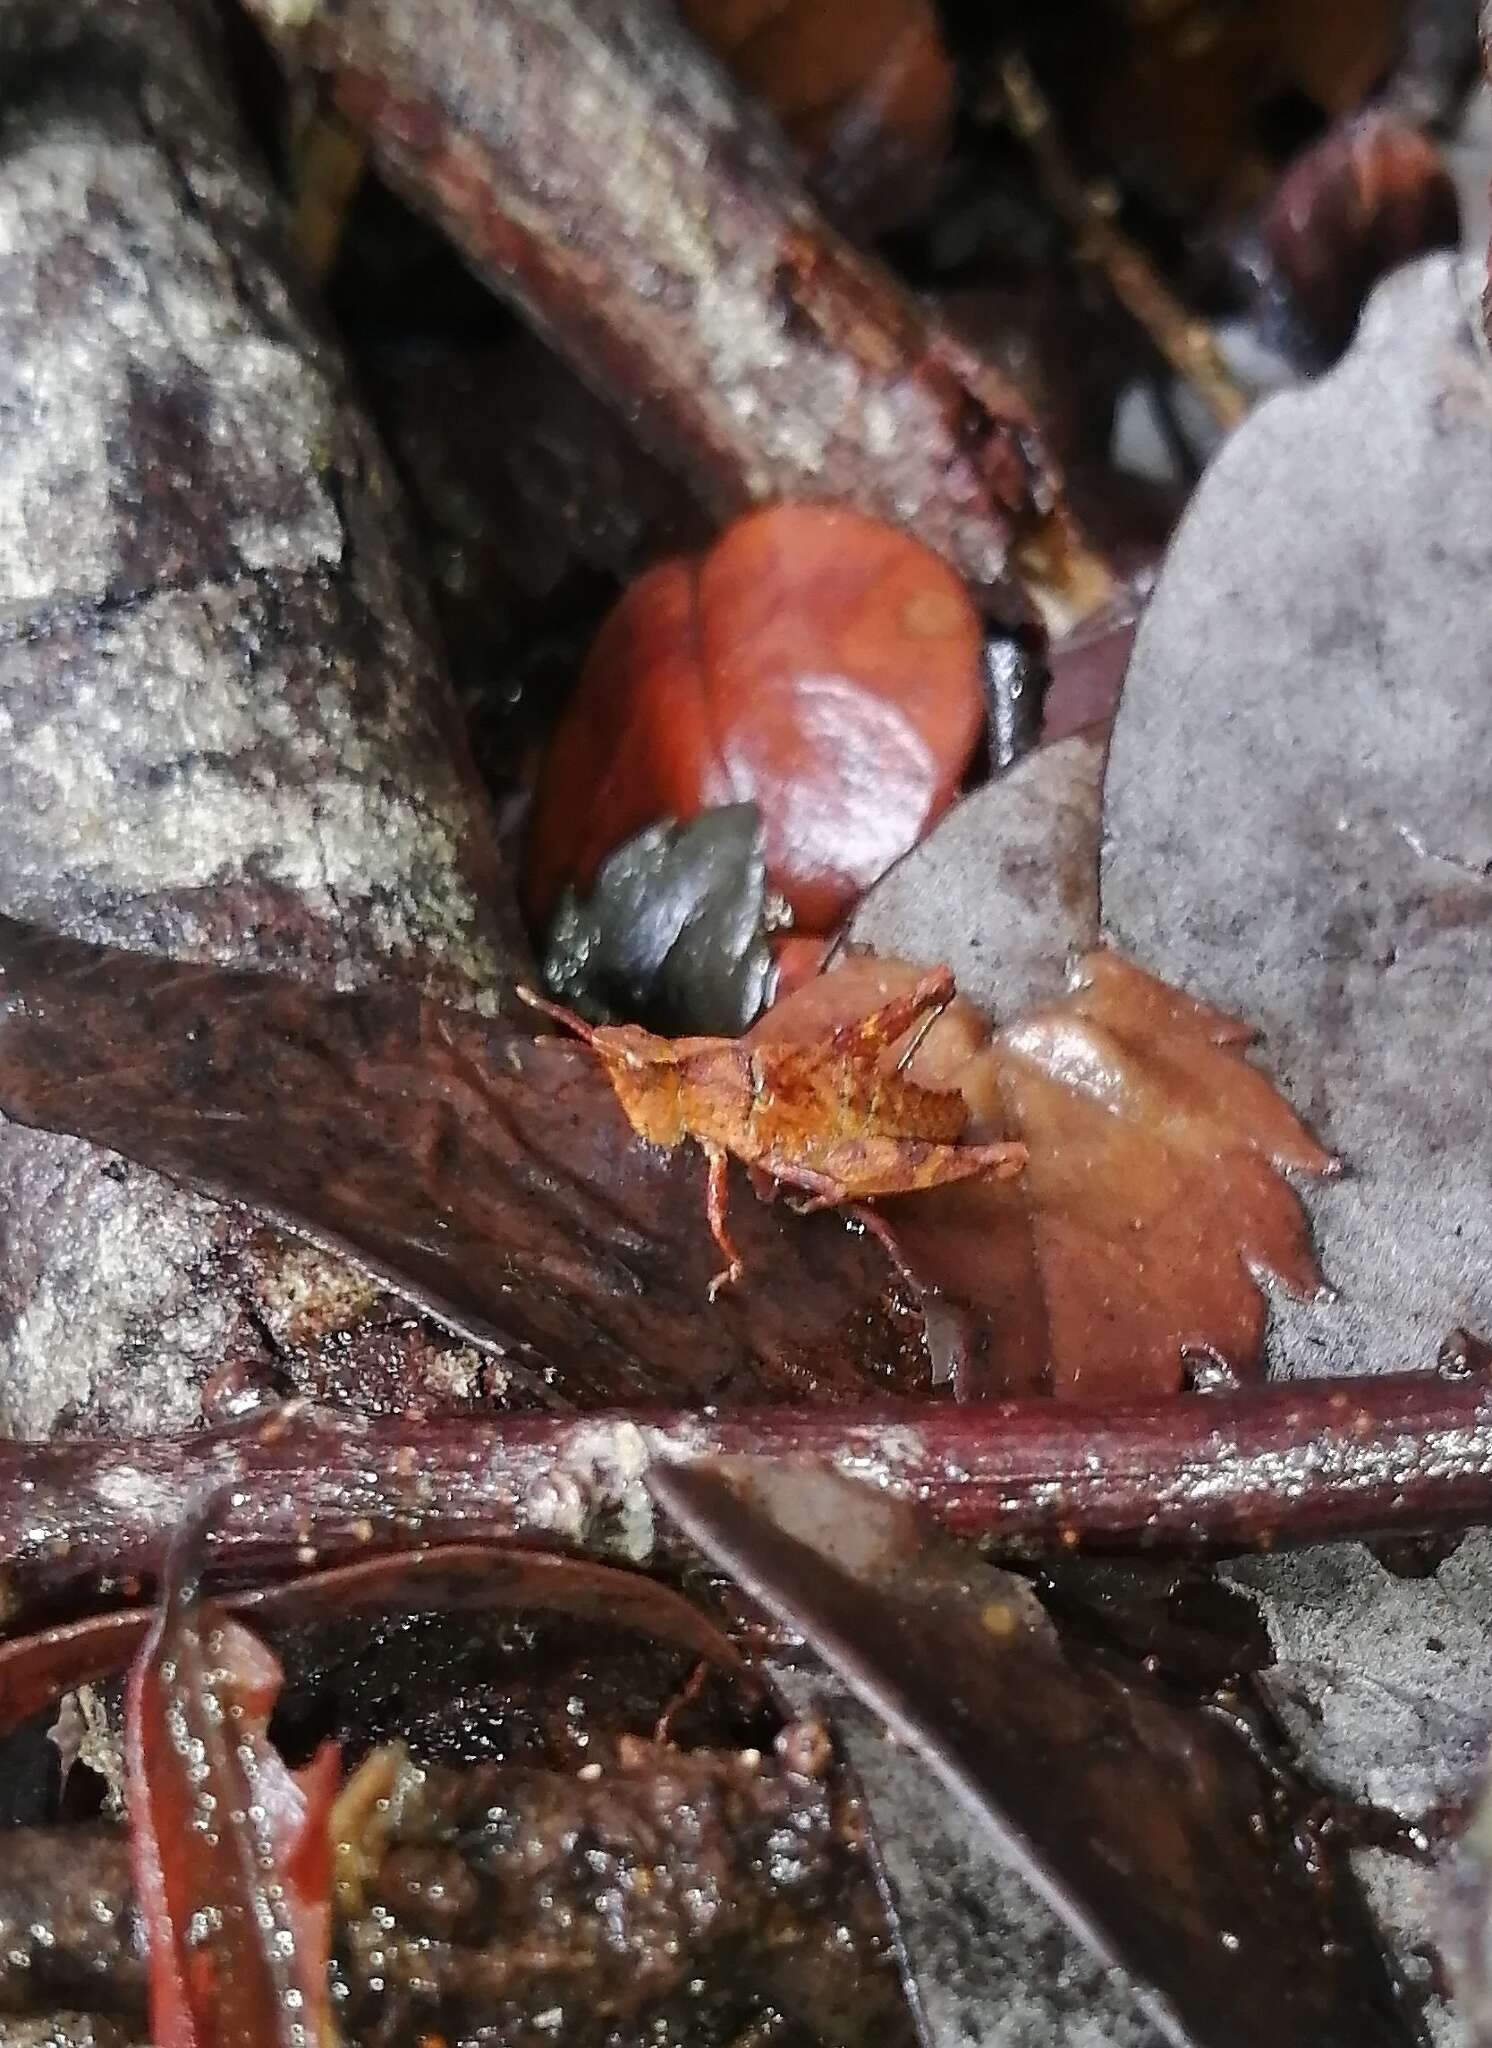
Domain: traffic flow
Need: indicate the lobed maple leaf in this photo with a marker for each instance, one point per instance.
(1153, 1208)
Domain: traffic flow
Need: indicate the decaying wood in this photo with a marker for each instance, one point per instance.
(595, 166)
(225, 735)
(1265, 1468)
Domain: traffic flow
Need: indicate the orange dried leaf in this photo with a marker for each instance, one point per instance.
(828, 1115)
(1152, 1207)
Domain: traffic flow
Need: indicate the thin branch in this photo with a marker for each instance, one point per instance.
(1268, 1466)
(1186, 343)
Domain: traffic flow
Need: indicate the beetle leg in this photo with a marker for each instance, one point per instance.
(928, 1000)
(717, 1203)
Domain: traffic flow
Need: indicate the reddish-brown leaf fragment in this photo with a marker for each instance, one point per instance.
(1152, 1203)
(1155, 1195)
(231, 1852)
(478, 1577)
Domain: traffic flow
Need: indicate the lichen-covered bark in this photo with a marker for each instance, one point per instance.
(223, 731)
(595, 165)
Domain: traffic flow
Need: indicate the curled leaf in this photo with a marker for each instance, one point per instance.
(1373, 193)
(452, 1577)
(231, 1851)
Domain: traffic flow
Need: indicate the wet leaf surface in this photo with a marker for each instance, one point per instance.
(1152, 1204)
(1150, 1826)
(560, 1809)
(821, 665)
(491, 1179)
(231, 1853)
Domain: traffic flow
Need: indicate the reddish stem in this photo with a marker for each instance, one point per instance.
(1268, 1466)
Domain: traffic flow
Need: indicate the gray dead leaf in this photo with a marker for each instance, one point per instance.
(1466, 1917)
(1297, 820)
(995, 1967)
(1298, 827)
(1005, 888)
(1401, 1714)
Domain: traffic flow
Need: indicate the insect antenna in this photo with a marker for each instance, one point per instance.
(559, 1013)
(929, 1017)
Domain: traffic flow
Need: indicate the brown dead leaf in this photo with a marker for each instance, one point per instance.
(1153, 1206)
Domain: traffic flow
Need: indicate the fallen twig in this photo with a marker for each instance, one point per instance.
(595, 166)
(1186, 342)
(1265, 1467)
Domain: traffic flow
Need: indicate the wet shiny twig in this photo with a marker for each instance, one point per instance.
(1267, 1466)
